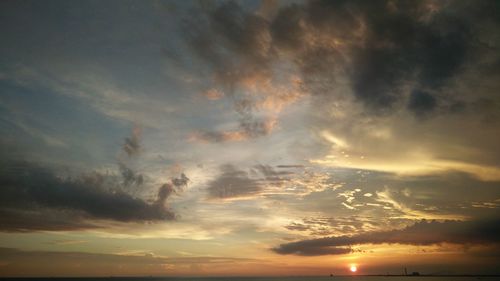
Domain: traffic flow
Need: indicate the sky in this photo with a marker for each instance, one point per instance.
(224, 138)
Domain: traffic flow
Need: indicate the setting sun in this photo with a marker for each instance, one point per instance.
(353, 268)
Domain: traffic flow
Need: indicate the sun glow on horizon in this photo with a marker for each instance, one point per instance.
(353, 268)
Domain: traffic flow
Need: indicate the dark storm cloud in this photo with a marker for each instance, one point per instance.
(232, 183)
(29, 191)
(421, 102)
(381, 47)
(421, 233)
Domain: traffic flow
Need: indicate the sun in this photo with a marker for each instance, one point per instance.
(353, 268)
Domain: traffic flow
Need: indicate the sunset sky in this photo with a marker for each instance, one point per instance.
(211, 138)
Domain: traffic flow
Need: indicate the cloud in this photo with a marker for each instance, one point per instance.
(232, 183)
(236, 47)
(379, 48)
(68, 242)
(328, 226)
(384, 50)
(181, 181)
(34, 197)
(385, 197)
(248, 129)
(129, 175)
(256, 128)
(16, 219)
(163, 194)
(421, 233)
(213, 94)
(17, 262)
(394, 82)
(132, 146)
(218, 136)
(290, 166)
(266, 181)
(421, 103)
(315, 251)
(272, 175)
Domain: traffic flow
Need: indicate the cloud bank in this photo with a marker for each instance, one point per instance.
(30, 191)
(421, 233)
(35, 197)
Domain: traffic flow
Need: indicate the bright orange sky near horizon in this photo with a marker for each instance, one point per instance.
(249, 138)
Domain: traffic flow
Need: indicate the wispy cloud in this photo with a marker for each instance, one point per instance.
(248, 129)
(131, 145)
(233, 183)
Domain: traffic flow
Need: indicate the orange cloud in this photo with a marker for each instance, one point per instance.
(213, 94)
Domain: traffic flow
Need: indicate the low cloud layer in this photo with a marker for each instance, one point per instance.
(18, 263)
(421, 233)
(28, 189)
(233, 183)
(132, 145)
